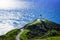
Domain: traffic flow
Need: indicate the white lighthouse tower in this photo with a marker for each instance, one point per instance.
(40, 18)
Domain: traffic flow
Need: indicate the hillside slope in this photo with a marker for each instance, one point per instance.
(40, 29)
(11, 35)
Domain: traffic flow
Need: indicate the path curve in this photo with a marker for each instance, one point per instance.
(18, 35)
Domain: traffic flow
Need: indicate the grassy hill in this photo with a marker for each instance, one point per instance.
(11, 35)
(40, 29)
(36, 30)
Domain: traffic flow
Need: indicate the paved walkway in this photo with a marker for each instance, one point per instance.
(18, 35)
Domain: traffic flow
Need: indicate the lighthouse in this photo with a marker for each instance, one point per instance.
(40, 18)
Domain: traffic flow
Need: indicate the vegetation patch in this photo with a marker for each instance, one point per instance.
(10, 35)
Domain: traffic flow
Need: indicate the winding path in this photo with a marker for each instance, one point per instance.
(18, 35)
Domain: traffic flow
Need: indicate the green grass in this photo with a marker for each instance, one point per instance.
(49, 38)
(53, 38)
(23, 35)
(11, 35)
